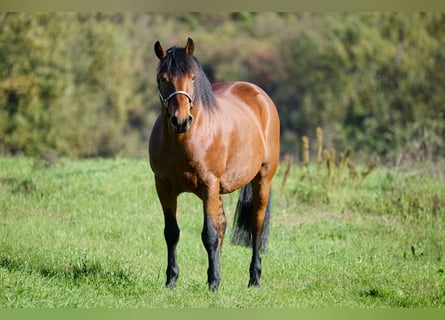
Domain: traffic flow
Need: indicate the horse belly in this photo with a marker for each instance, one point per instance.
(243, 164)
(233, 181)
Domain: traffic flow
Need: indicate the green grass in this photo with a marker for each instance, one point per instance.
(90, 234)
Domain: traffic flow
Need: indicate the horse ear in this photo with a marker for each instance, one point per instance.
(160, 52)
(189, 47)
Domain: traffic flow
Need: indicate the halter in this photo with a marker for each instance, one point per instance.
(166, 100)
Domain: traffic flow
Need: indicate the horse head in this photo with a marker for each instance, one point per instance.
(176, 84)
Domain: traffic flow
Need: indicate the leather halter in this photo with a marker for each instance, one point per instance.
(166, 100)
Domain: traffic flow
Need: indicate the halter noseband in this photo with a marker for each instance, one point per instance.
(166, 100)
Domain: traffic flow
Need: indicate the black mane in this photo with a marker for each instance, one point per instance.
(177, 63)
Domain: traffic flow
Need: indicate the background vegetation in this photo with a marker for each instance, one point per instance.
(83, 84)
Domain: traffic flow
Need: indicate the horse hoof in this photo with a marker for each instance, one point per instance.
(213, 287)
(254, 283)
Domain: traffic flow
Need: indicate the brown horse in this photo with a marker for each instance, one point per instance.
(210, 140)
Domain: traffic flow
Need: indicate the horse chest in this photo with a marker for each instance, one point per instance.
(183, 174)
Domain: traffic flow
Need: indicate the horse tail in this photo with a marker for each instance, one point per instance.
(242, 234)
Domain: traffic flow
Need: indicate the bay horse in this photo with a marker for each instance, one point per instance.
(211, 140)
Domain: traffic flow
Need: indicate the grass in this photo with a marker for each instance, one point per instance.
(90, 234)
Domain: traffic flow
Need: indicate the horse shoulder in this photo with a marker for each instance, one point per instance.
(158, 150)
(155, 141)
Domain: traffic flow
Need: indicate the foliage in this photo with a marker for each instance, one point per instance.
(83, 84)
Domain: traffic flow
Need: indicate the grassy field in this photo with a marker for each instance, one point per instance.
(90, 234)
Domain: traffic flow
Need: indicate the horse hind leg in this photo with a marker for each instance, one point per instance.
(251, 224)
(260, 221)
(212, 238)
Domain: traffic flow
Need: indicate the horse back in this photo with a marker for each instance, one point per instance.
(256, 101)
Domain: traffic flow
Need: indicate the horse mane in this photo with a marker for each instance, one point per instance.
(178, 63)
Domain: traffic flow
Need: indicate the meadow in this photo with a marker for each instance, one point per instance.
(89, 233)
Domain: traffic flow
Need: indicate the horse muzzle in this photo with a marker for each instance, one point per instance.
(181, 125)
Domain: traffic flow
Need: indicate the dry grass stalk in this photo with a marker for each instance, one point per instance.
(305, 155)
(319, 136)
(353, 174)
(333, 168)
(305, 150)
(288, 160)
(372, 165)
(327, 159)
(327, 156)
(343, 163)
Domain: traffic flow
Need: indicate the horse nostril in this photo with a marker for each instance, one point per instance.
(174, 121)
(179, 125)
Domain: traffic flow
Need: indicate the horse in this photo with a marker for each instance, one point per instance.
(213, 139)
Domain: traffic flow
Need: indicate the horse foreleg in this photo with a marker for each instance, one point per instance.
(171, 230)
(171, 234)
(212, 237)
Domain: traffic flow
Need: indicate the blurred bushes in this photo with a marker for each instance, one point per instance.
(83, 85)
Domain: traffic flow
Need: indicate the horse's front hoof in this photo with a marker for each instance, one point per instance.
(171, 284)
(254, 283)
(213, 287)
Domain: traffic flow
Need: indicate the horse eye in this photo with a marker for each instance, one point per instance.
(193, 79)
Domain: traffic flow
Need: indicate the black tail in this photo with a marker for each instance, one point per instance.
(242, 234)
